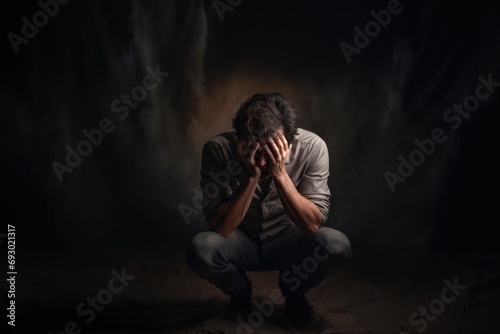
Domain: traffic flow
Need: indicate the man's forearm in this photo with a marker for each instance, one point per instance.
(304, 213)
(229, 213)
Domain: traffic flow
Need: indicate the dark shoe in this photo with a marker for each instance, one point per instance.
(239, 305)
(298, 311)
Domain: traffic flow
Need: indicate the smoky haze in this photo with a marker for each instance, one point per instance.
(127, 191)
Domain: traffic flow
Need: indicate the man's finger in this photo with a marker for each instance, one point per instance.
(275, 151)
(278, 143)
(270, 154)
(250, 151)
(245, 147)
(254, 150)
(281, 146)
(285, 145)
(284, 141)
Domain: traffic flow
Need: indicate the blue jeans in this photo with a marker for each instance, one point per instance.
(303, 260)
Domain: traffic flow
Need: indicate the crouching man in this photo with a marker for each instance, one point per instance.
(269, 216)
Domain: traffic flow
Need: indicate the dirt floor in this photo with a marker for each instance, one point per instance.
(162, 295)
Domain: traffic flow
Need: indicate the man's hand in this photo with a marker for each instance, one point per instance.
(230, 212)
(304, 213)
(277, 151)
(247, 151)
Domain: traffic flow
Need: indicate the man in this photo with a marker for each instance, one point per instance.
(268, 213)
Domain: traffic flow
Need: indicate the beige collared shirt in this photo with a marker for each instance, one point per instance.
(222, 172)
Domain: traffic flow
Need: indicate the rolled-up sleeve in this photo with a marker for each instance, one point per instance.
(314, 183)
(214, 192)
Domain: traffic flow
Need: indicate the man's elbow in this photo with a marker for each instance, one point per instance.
(220, 229)
(223, 233)
(312, 227)
(310, 230)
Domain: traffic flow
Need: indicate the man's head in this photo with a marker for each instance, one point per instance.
(262, 115)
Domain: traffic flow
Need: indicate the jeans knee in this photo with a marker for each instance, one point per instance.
(200, 250)
(334, 242)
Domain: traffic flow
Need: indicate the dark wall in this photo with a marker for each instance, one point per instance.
(126, 192)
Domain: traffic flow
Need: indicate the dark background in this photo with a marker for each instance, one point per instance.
(126, 193)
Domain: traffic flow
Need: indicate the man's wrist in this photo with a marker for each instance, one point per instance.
(280, 178)
(253, 178)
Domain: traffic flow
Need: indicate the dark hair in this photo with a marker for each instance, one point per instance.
(263, 114)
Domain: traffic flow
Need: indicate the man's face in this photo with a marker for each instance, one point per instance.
(261, 157)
